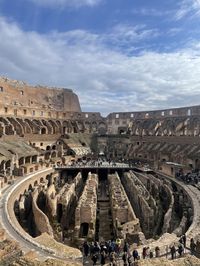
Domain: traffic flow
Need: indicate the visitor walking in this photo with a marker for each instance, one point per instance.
(103, 257)
(192, 246)
(135, 254)
(180, 249)
(144, 252)
(86, 248)
(94, 258)
(125, 258)
(157, 251)
(173, 251)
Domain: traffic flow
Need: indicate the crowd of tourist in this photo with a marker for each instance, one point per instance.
(110, 252)
(192, 177)
(113, 251)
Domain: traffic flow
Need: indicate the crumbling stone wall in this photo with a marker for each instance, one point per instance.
(21, 94)
(41, 220)
(142, 202)
(86, 209)
(124, 218)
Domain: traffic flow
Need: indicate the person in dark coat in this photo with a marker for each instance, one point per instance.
(94, 259)
(86, 248)
(173, 251)
(135, 254)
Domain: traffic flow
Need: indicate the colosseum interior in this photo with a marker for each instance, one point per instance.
(68, 176)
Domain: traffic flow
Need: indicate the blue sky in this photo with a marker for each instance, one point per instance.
(117, 55)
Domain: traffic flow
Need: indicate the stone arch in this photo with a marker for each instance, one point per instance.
(54, 126)
(25, 126)
(53, 147)
(8, 164)
(94, 126)
(87, 127)
(74, 127)
(9, 130)
(66, 127)
(54, 154)
(80, 126)
(35, 128)
(102, 129)
(16, 125)
(48, 126)
(48, 148)
(21, 161)
(43, 131)
(2, 164)
(2, 129)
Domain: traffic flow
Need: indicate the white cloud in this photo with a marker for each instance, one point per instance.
(105, 79)
(188, 7)
(63, 3)
(151, 12)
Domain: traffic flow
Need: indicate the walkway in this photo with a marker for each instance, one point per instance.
(103, 205)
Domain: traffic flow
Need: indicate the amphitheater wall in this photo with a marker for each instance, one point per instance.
(41, 220)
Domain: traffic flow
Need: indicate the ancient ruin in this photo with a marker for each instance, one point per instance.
(68, 176)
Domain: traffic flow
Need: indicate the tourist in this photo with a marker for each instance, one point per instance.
(91, 248)
(118, 245)
(151, 254)
(112, 258)
(173, 251)
(144, 252)
(125, 258)
(94, 259)
(192, 246)
(103, 257)
(180, 249)
(129, 261)
(126, 247)
(86, 248)
(135, 254)
(184, 240)
(157, 251)
(96, 247)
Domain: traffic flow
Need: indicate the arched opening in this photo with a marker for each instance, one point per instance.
(43, 131)
(8, 163)
(21, 161)
(84, 229)
(53, 155)
(48, 148)
(47, 156)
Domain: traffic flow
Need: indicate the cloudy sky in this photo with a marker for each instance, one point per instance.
(117, 55)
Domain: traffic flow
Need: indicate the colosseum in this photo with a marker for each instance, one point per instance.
(70, 178)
